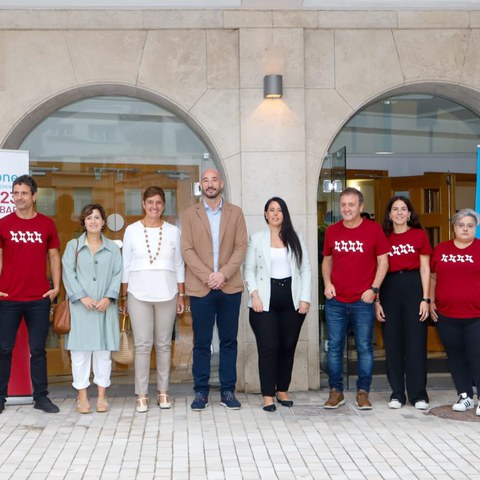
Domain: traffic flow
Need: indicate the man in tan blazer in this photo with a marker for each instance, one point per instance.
(214, 243)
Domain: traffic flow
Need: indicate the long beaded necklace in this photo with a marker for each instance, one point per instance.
(160, 231)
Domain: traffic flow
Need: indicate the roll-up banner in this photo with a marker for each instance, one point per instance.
(477, 190)
(14, 163)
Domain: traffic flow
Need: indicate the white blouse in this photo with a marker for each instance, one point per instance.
(280, 263)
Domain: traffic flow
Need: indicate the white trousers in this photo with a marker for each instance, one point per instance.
(152, 325)
(82, 364)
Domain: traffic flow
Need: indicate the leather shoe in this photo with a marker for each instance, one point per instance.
(285, 403)
(270, 408)
(2, 405)
(46, 405)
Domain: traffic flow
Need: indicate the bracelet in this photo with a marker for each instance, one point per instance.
(377, 300)
(123, 298)
(181, 294)
(426, 300)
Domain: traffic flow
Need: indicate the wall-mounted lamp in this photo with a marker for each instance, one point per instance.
(272, 86)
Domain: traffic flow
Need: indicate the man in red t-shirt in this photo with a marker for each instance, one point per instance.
(354, 265)
(27, 239)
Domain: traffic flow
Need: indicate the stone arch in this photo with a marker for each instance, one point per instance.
(464, 95)
(37, 114)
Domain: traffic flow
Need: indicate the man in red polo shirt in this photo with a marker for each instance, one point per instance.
(354, 265)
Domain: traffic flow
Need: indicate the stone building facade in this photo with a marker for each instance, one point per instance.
(207, 66)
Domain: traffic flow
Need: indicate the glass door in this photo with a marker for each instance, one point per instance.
(331, 183)
(66, 187)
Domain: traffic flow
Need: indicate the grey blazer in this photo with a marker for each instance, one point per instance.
(256, 271)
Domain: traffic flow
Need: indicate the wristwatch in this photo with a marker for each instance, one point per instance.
(374, 289)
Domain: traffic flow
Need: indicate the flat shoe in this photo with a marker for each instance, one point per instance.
(270, 408)
(102, 405)
(163, 401)
(83, 406)
(141, 405)
(285, 403)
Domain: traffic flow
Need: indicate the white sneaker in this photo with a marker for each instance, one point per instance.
(394, 403)
(464, 403)
(478, 410)
(421, 405)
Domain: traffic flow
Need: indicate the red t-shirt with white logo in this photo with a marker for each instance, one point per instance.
(354, 254)
(25, 244)
(457, 290)
(406, 249)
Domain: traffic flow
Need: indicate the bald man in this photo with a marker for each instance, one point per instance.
(214, 243)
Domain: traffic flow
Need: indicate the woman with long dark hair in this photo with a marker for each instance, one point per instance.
(278, 277)
(403, 304)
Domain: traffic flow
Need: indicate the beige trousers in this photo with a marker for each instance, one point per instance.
(152, 325)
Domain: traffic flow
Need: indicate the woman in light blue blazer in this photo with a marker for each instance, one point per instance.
(279, 282)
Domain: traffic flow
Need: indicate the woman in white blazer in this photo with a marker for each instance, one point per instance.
(279, 282)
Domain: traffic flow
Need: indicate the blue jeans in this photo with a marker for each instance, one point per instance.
(224, 309)
(359, 316)
(37, 318)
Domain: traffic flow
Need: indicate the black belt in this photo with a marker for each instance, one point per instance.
(403, 271)
(281, 282)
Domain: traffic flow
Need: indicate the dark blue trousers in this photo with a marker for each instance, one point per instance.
(222, 308)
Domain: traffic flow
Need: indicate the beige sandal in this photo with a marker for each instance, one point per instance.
(83, 406)
(142, 405)
(163, 401)
(102, 405)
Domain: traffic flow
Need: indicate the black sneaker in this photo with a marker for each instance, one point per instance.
(45, 404)
(2, 405)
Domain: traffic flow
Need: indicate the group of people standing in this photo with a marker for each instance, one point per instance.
(395, 276)
(149, 280)
(390, 273)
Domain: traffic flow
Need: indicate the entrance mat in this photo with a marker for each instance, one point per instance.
(318, 411)
(445, 411)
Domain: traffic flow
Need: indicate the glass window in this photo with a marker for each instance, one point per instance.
(108, 150)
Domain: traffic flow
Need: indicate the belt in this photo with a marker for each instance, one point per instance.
(400, 272)
(281, 282)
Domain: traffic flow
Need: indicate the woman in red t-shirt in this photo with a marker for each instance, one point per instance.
(455, 304)
(403, 301)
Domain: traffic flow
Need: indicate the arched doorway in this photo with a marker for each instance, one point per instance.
(415, 143)
(107, 149)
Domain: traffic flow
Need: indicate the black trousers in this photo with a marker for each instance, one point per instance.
(277, 332)
(405, 336)
(461, 339)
